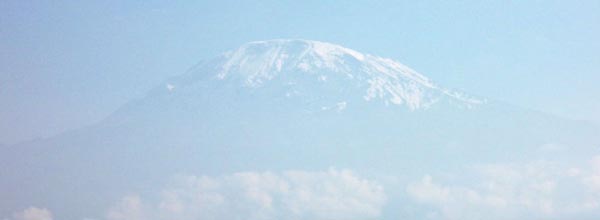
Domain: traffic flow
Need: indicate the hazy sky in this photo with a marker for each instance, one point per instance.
(67, 64)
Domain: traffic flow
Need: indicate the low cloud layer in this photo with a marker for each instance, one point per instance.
(527, 190)
(32, 213)
(535, 190)
(332, 194)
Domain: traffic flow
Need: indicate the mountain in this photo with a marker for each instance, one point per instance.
(275, 105)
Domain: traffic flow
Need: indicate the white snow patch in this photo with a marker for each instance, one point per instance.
(331, 51)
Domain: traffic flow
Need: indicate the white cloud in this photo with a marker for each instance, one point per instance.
(128, 208)
(170, 87)
(592, 180)
(341, 106)
(535, 190)
(426, 191)
(332, 194)
(33, 213)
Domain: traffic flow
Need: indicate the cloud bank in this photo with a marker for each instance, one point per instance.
(534, 190)
(332, 194)
(526, 190)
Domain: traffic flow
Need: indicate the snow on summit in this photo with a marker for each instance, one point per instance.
(334, 69)
(262, 60)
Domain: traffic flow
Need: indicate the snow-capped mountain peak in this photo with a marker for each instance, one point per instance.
(263, 60)
(285, 62)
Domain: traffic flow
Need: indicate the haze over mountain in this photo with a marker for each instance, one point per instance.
(281, 105)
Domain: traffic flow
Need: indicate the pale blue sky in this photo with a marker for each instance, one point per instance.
(66, 64)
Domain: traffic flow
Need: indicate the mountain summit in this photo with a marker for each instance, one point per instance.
(317, 69)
